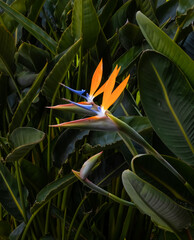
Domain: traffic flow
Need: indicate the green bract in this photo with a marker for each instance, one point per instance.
(66, 63)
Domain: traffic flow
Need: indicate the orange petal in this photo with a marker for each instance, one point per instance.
(96, 79)
(111, 86)
(110, 83)
(100, 90)
(115, 94)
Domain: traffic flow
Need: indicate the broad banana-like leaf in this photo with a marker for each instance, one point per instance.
(25, 103)
(66, 40)
(56, 76)
(51, 190)
(164, 212)
(9, 193)
(32, 57)
(7, 51)
(23, 139)
(7, 20)
(168, 100)
(147, 8)
(85, 23)
(146, 167)
(35, 30)
(66, 145)
(101, 191)
(162, 43)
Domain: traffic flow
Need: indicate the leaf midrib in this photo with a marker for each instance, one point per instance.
(6, 66)
(12, 194)
(44, 38)
(171, 109)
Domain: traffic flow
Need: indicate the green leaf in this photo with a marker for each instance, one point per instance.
(65, 145)
(33, 176)
(126, 104)
(35, 9)
(159, 41)
(52, 189)
(129, 35)
(147, 8)
(119, 18)
(59, 8)
(168, 101)
(66, 40)
(5, 229)
(23, 140)
(109, 168)
(184, 6)
(163, 211)
(107, 11)
(56, 76)
(170, 236)
(15, 234)
(36, 31)
(25, 103)
(167, 11)
(31, 57)
(101, 191)
(127, 59)
(7, 20)
(186, 19)
(128, 134)
(188, 45)
(146, 167)
(108, 138)
(85, 23)
(103, 52)
(7, 51)
(9, 193)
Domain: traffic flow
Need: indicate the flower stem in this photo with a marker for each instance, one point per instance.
(128, 143)
(47, 217)
(20, 191)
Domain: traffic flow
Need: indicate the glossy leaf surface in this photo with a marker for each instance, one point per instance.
(168, 101)
(32, 57)
(24, 105)
(147, 8)
(9, 193)
(36, 31)
(6, 57)
(149, 169)
(159, 41)
(163, 211)
(105, 138)
(52, 189)
(56, 76)
(85, 22)
(7, 20)
(23, 140)
(65, 145)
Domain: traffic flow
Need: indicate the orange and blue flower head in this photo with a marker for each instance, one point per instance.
(110, 95)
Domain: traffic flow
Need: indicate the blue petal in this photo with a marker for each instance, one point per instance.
(78, 92)
(87, 107)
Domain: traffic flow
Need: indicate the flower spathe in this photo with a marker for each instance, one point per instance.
(99, 119)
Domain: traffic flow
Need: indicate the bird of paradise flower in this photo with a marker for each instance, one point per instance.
(98, 119)
(103, 120)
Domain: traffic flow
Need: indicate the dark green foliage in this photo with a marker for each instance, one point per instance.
(48, 42)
